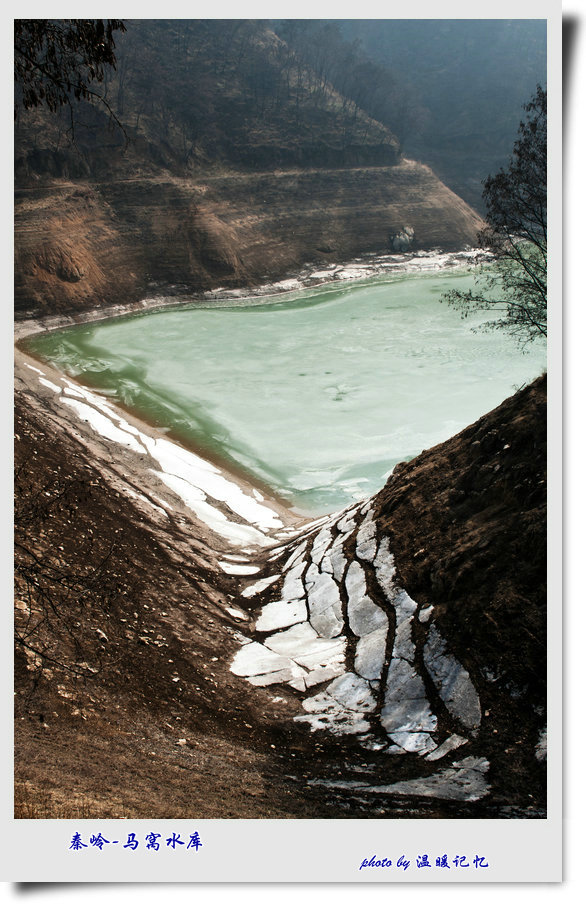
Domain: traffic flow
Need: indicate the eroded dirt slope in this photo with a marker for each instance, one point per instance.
(84, 244)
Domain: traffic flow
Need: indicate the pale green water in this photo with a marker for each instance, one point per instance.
(319, 393)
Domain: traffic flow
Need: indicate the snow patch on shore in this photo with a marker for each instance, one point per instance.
(192, 478)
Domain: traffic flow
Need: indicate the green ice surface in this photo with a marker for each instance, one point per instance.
(316, 394)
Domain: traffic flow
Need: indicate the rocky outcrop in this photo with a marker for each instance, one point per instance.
(402, 241)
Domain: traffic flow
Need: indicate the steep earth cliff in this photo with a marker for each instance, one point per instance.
(84, 244)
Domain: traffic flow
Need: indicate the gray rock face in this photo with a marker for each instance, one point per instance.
(402, 240)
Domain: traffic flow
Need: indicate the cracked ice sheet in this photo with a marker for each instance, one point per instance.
(348, 522)
(238, 569)
(412, 742)
(302, 531)
(295, 557)
(255, 659)
(370, 654)
(194, 498)
(425, 614)
(321, 544)
(50, 385)
(366, 538)
(277, 615)
(292, 674)
(364, 616)
(384, 564)
(326, 714)
(452, 680)
(352, 692)
(464, 781)
(325, 605)
(142, 497)
(452, 743)
(338, 559)
(293, 588)
(260, 586)
(406, 707)
(404, 647)
(188, 475)
(99, 403)
(104, 425)
(303, 645)
(342, 708)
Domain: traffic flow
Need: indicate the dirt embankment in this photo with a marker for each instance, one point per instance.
(82, 244)
(125, 704)
(467, 522)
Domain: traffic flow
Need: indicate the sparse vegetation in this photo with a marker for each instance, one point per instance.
(515, 284)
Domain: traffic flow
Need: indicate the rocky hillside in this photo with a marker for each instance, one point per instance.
(234, 164)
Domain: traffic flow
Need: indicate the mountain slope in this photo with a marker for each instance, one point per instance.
(238, 164)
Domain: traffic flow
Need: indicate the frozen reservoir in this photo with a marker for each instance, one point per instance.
(317, 393)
